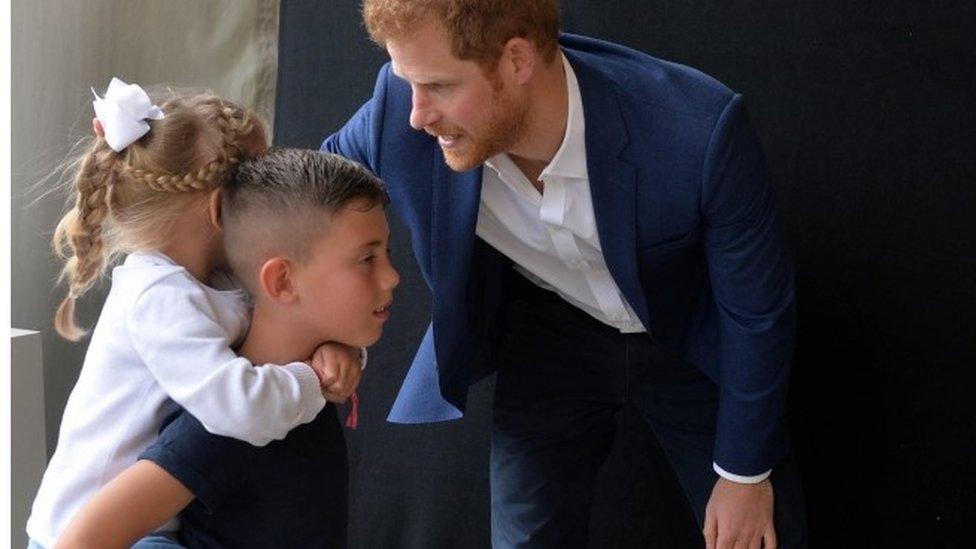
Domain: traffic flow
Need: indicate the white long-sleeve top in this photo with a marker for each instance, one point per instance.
(162, 337)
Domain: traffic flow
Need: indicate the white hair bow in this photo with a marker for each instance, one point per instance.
(123, 113)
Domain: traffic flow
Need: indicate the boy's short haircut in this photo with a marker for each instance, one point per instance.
(273, 205)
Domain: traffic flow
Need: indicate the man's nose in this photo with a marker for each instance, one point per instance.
(421, 113)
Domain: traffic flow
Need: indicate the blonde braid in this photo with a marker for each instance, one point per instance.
(199, 180)
(80, 230)
(127, 201)
(234, 124)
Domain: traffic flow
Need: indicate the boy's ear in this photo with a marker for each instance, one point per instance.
(276, 281)
(214, 204)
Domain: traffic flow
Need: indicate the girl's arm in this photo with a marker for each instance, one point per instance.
(181, 335)
(133, 504)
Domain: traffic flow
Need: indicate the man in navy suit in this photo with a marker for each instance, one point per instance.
(598, 227)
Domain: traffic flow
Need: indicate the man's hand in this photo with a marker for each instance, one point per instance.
(740, 516)
(339, 368)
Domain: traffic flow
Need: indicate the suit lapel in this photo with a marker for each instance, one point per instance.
(613, 181)
(454, 213)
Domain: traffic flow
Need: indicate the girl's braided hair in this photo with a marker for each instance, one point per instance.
(128, 201)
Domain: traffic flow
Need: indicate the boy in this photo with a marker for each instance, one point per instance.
(306, 234)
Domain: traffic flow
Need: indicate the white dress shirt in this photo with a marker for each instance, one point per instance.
(552, 236)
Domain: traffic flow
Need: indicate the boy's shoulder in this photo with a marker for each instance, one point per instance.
(187, 440)
(300, 481)
(208, 465)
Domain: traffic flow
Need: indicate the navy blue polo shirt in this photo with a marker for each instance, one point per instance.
(290, 493)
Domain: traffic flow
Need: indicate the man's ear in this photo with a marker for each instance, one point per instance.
(522, 57)
(214, 203)
(276, 280)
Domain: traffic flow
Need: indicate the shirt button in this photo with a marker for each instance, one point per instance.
(579, 264)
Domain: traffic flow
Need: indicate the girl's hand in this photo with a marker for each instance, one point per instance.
(339, 368)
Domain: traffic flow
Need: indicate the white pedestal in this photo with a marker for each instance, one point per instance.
(28, 446)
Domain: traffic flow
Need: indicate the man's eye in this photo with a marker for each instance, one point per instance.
(368, 259)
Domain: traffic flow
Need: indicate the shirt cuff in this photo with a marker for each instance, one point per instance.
(310, 397)
(756, 479)
(363, 356)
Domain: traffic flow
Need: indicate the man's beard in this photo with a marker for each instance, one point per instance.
(503, 128)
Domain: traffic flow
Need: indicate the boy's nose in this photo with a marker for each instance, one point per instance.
(391, 278)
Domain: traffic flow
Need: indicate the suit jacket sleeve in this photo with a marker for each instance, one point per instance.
(752, 279)
(358, 139)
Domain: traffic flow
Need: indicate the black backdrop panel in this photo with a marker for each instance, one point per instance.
(866, 113)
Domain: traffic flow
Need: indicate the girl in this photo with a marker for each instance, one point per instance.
(149, 187)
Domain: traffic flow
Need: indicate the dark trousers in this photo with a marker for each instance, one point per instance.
(562, 377)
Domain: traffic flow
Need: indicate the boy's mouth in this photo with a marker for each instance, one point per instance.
(384, 311)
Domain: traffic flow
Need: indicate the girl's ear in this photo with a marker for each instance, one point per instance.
(276, 281)
(97, 128)
(214, 208)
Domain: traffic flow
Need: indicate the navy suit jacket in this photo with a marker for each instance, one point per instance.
(687, 224)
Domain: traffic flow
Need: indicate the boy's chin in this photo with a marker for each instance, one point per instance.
(366, 339)
(371, 340)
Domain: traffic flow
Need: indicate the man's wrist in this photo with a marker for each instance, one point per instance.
(741, 479)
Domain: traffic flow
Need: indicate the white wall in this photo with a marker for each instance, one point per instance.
(27, 449)
(61, 48)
